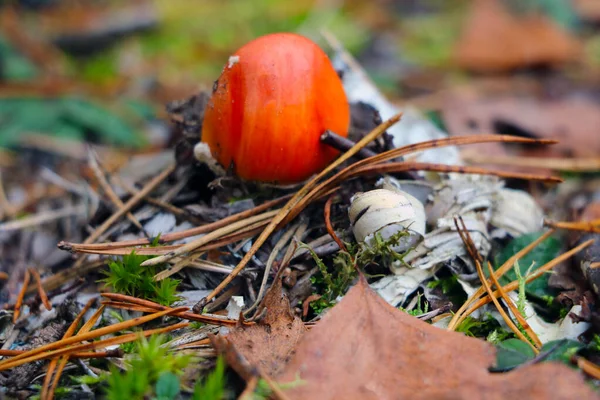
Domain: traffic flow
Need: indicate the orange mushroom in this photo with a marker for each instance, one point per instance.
(269, 107)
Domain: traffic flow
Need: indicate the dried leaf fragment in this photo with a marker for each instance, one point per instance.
(493, 40)
(364, 348)
(271, 342)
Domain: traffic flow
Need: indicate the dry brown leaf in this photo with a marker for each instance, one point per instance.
(572, 122)
(588, 9)
(364, 348)
(493, 40)
(271, 342)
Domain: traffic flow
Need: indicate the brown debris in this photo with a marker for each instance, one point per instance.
(271, 342)
(571, 122)
(588, 9)
(364, 348)
(493, 40)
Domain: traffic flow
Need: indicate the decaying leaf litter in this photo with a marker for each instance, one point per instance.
(335, 317)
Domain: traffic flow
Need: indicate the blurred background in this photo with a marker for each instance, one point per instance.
(103, 71)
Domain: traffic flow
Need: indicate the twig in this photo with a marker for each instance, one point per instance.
(344, 144)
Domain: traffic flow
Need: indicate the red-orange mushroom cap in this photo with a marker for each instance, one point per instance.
(269, 107)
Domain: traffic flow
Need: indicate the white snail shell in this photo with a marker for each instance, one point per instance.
(387, 212)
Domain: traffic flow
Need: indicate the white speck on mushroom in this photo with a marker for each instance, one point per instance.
(232, 61)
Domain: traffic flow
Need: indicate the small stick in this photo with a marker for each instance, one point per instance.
(21, 295)
(40, 289)
(344, 144)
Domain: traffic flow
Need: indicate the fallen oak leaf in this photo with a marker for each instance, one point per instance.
(365, 348)
(494, 40)
(269, 343)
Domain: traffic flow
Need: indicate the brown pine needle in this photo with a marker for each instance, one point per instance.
(170, 237)
(31, 354)
(197, 343)
(509, 302)
(21, 295)
(515, 284)
(208, 319)
(499, 273)
(134, 200)
(415, 166)
(51, 367)
(401, 151)
(108, 190)
(201, 241)
(592, 226)
(466, 238)
(40, 289)
(588, 367)
(99, 344)
(330, 230)
(556, 164)
(127, 306)
(82, 354)
(62, 363)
